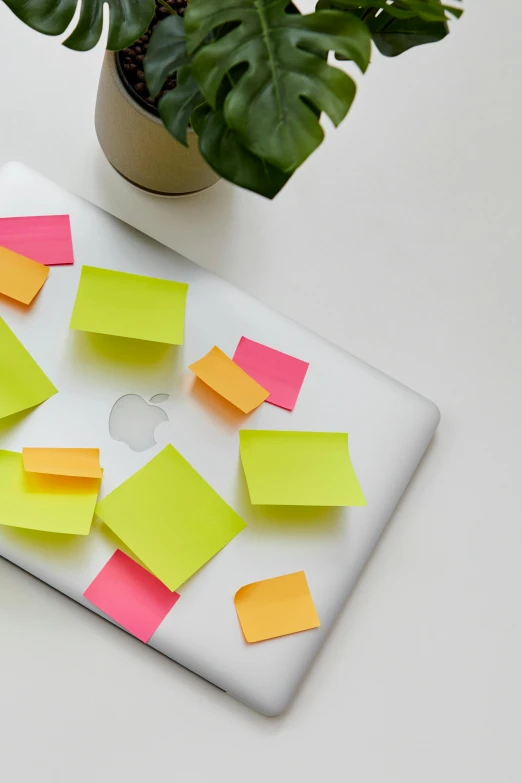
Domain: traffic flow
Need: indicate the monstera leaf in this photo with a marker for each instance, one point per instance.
(394, 36)
(176, 106)
(429, 10)
(223, 150)
(399, 25)
(185, 105)
(166, 53)
(272, 105)
(128, 19)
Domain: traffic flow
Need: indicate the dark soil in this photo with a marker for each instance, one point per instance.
(130, 61)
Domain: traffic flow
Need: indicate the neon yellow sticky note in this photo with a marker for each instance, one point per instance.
(299, 468)
(170, 518)
(22, 383)
(83, 463)
(126, 305)
(276, 607)
(230, 381)
(20, 278)
(52, 504)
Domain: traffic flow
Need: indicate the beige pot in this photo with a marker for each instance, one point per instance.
(138, 146)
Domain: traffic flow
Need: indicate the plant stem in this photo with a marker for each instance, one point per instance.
(167, 6)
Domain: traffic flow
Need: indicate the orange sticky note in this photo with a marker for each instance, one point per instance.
(276, 607)
(230, 381)
(83, 463)
(20, 277)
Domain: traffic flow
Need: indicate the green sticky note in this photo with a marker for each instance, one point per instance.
(39, 501)
(125, 305)
(299, 468)
(22, 383)
(170, 518)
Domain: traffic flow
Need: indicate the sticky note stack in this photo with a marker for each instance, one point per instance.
(28, 247)
(299, 468)
(24, 384)
(230, 381)
(170, 518)
(255, 374)
(49, 502)
(20, 278)
(82, 463)
(43, 238)
(125, 305)
(276, 607)
(281, 374)
(131, 596)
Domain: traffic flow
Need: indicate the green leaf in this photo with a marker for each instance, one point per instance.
(395, 36)
(128, 20)
(178, 104)
(222, 149)
(269, 104)
(51, 17)
(166, 53)
(429, 10)
(403, 25)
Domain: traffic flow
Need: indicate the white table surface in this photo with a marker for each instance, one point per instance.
(401, 241)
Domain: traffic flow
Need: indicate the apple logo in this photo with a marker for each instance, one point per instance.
(133, 420)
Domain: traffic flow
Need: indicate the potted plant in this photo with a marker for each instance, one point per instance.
(194, 90)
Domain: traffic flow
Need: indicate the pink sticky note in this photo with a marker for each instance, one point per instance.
(131, 596)
(282, 375)
(44, 238)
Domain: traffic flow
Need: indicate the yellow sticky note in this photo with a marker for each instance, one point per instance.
(53, 504)
(170, 518)
(20, 277)
(230, 381)
(299, 468)
(126, 305)
(276, 607)
(22, 383)
(83, 463)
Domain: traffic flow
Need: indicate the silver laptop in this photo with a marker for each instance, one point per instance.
(389, 428)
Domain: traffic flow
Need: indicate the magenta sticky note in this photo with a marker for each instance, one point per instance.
(44, 238)
(282, 375)
(131, 596)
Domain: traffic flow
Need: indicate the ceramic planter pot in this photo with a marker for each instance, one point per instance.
(138, 146)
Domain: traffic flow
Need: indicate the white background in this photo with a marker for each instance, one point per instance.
(401, 241)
